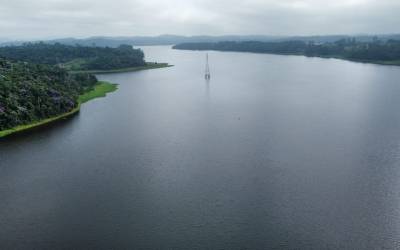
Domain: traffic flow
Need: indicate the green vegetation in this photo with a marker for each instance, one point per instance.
(21, 128)
(100, 90)
(375, 51)
(74, 58)
(34, 92)
(145, 67)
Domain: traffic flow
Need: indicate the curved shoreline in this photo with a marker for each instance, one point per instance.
(132, 69)
(100, 90)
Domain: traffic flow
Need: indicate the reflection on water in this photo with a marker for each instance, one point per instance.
(208, 80)
(282, 152)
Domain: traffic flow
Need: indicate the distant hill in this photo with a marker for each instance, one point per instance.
(143, 40)
(105, 41)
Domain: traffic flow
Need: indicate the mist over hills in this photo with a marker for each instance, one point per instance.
(106, 41)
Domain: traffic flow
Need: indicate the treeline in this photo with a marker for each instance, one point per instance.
(75, 57)
(375, 51)
(289, 47)
(32, 92)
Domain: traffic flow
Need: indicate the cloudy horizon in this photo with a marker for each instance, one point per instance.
(46, 19)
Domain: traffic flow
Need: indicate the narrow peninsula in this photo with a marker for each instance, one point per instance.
(42, 83)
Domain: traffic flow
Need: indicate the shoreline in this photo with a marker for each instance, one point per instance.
(100, 90)
(376, 62)
(132, 69)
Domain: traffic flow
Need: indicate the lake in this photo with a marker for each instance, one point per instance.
(274, 152)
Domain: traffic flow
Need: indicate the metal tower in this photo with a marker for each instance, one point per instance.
(207, 75)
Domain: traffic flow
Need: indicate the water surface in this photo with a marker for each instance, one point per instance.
(275, 151)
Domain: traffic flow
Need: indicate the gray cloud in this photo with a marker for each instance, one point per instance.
(83, 18)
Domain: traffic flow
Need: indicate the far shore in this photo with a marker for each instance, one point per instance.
(149, 65)
(100, 90)
(378, 62)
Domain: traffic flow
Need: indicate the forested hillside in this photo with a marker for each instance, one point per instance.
(386, 52)
(75, 57)
(32, 92)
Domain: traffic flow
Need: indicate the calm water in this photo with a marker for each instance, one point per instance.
(274, 152)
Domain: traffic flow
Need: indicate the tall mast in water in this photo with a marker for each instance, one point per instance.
(207, 75)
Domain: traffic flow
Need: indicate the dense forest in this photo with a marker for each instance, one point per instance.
(351, 49)
(32, 92)
(75, 57)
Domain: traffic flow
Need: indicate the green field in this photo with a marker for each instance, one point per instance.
(100, 90)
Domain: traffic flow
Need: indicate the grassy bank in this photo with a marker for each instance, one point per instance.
(147, 66)
(37, 124)
(100, 90)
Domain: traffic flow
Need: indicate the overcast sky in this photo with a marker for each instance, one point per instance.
(27, 19)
